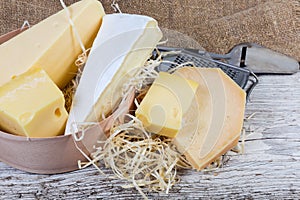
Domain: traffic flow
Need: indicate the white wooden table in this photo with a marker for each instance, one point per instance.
(269, 169)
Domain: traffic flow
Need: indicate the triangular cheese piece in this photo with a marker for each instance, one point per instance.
(123, 45)
(198, 118)
(221, 104)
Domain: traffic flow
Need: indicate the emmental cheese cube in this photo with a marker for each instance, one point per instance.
(168, 99)
(32, 105)
(221, 105)
(52, 44)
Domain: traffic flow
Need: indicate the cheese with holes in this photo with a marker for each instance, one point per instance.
(32, 105)
(122, 46)
(51, 44)
(163, 107)
(221, 105)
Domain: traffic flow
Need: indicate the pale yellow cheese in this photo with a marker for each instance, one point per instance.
(32, 105)
(168, 99)
(221, 104)
(52, 44)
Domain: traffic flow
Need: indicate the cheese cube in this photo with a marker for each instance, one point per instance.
(168, 99)
(52, 44)
(32, 105)
(221, 106)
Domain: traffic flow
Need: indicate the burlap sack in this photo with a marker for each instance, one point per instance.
(217, 25)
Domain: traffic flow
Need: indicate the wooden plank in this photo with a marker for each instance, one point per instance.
(269, 168)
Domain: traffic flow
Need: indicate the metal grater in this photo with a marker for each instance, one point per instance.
(243, 77)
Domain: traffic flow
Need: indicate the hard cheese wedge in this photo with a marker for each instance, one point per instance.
(221, 104)
(51, 44)
(168, 99)
(199, 116)
(123, 44)
(32, 105)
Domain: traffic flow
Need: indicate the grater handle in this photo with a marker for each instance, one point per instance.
(252, 82)
(218, 56)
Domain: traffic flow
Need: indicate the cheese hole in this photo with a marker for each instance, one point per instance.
(57, 112)
(13, 77)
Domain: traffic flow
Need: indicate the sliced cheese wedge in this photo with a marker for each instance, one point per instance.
(32, 105)
(221, 104)
(123, 44)
(51, 44)
(167, 101)
(199, 116)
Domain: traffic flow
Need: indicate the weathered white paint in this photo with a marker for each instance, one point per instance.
(269, 169)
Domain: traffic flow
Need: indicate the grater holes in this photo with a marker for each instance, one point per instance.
(196, 61)
(231, 73)
(237, 75)
(179, 60)
(183, 59)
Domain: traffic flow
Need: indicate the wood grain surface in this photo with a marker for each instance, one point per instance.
(269, 168)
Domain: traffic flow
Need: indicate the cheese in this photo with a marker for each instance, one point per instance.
(123, 44)
(51, 44)
(221, 104)
(199, 116)
(168, 99)
(32, 105)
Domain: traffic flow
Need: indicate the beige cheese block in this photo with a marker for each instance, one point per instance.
(167, 101)
(222, 103)
(51, 44)
(199, 116)
(32, 105)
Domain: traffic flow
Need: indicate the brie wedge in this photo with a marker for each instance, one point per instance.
(123, 44)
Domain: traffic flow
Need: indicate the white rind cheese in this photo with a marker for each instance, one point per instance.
(123, 44)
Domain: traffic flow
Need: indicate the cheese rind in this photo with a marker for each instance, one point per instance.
(32, 105)
(122, 46)
(223, 105)
(51, 44)
(168, 99)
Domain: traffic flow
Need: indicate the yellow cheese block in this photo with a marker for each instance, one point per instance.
(32, 105)
(221, 105)
(51, 44)
(168, 99)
